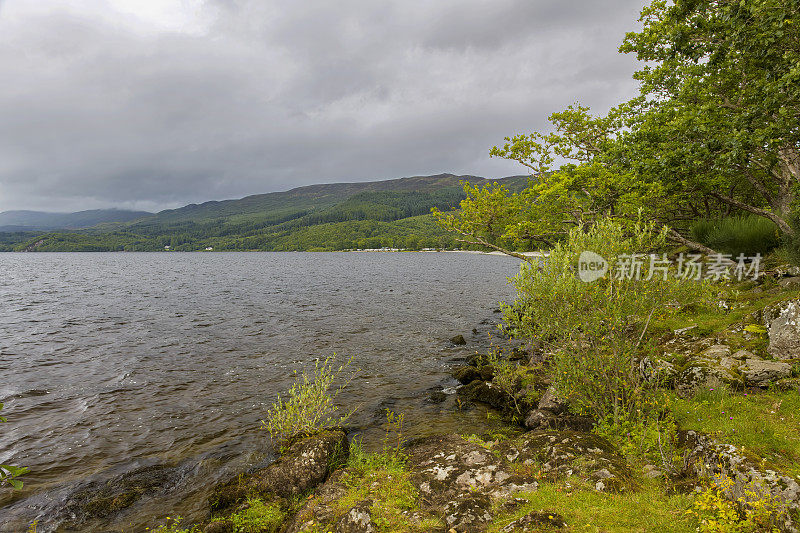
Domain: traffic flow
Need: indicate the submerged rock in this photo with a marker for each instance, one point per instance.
(102, 499)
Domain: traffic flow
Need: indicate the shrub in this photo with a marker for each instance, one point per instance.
(595, 329)
(310, 404)
(746, 235)
(716, 513)
(258, 517)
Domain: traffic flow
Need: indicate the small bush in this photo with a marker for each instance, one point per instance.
(746, 235)
(714, 512)
(311, 402)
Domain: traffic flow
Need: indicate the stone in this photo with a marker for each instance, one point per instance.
(458, 340)
(220, 526)
(742, 354)
(357, 519)
(466, 374)
(717, 462)
(783, 326)
(762, 373)
(717, 351)
(551, 402)
(544, 419)
(786, 283)
(306, 463)
(481, 391)
(468, 513)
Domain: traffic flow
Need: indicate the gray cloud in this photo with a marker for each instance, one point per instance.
(99, 107)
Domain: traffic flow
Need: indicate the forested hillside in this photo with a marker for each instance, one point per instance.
(392, 213)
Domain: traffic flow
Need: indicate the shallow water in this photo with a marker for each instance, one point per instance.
(113, 361)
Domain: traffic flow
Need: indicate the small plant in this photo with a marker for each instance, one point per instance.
(716, 513)
(258, 517)
(9, 475)
(734, 235)
(310, 405)
(394, 439)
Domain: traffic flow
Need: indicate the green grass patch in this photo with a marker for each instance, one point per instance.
(765, 425)
(586, 510)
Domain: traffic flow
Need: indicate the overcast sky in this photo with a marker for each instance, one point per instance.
(153, 104)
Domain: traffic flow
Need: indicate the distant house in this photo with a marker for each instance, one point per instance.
(210, 249)
(166, 248)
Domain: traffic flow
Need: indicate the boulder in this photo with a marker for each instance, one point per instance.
(357, 519)
(762, 373)
(550, 401)
(750, 481)
(306, 463)
(783, 326)
(716, 351)
(485, 392)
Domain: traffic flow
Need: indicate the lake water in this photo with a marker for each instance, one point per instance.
(110, 362)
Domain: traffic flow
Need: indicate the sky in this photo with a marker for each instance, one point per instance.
(154, 104)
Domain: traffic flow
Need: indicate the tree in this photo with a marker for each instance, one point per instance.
(716, 129)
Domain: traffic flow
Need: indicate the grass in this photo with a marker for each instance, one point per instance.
(734, 235)
(763, 424)
(742, 305)
(586, 510)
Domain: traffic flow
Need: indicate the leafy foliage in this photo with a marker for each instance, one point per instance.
(747, 235)
(310, 404)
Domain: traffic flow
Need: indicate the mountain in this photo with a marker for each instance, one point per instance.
(42, 221)
(391, 213)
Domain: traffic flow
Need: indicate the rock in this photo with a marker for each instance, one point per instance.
(544, 419)
(468, 513)
(783, 326)
(435, 397)
(322, 509)
(786, 283)
(788, 384)
(466, 374)
(717, 351)
(305, 464)
(220, 526)
(742, 354)
(101, 499)
(357, 520)
(458, 340)
(486, 372)
(481, 391)
(761, 373)
(571, 453)
(651, 471)
(718, 462)
(536, 521)
(551, 402)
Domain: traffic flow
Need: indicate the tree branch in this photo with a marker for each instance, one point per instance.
(781, 223)
(482, 242)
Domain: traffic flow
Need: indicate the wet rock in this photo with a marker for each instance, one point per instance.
(103, 499)
(220, 526)
(466, 374)
(488, 393)
(783, 325)
(436, 396)
(458, 340)
(305, 464)
(536, 521)
(357, 519)
(762, 373)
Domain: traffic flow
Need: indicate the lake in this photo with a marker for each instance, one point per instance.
(110, 362)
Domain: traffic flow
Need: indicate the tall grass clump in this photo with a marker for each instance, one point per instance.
(746, 235)
(595, 331)
(310, 405)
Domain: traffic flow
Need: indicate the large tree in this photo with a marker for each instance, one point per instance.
(715, 130)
